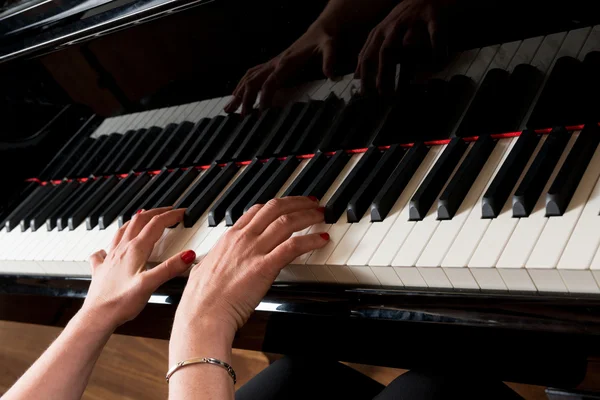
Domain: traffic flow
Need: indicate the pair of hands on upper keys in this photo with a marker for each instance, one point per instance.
(411, 25)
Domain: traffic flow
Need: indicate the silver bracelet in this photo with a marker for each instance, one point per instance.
(203, 360)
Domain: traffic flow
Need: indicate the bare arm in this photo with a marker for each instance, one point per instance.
(119, 290)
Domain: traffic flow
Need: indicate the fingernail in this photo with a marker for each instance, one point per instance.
(188, 257)
(139, 211)
(321, 209)
(313, 198)
(325, 235)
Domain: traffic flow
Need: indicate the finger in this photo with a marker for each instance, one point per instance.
(329, 60)
(276, 80)
(292, 248)
(237, 96)
(284, 226)
(369, 64)
(248, 216)
(118, 237)
(97, 258)
(252, 87)
(154, 229)
(438, 40)
(139, 221)
(169, 269)
(386, 74)
(276, 208)
(361, 55)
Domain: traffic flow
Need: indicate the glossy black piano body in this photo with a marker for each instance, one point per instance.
(121, 64)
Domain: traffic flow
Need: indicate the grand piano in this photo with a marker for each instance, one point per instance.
(463, 211)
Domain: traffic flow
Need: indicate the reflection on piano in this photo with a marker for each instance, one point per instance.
(468, 201)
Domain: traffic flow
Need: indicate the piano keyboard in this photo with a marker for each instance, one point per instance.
(404, 205)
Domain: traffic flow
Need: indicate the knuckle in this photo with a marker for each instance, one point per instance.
(274, 203)
(293, 245)
(285, 220)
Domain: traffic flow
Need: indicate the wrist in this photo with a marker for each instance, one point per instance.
(200, 338)
(97, 318)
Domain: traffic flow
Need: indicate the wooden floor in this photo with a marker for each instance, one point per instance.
(134, 368)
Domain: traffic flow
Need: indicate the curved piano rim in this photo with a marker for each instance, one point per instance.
(577, 314)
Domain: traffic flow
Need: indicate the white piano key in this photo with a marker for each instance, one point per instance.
(526, 52)
(415, 243)
(324, 90)
(401, 227)
(578, 281)
(387, 276)
(547, 280)
(463, 62)
(482, 62)
(585, 239)
(504, 55)
(103, 127)
(497, 235)
(447, 72)
(302, 273)
(152, 118)
(574, 42)
(488, 278)
(351, 239)
(435, 277)
(461, 278)
(473, 229)
(134, 122)
(341, 88)
(323, 227)
(343, 274)
(336, 231)
(322, 273)
(165, 117)
(528, 230)
(557, 231)
(364, 275)
(444, 236)
(199, 112)
(592, 43)
(517, 279)
(219, 109)
(410, 276)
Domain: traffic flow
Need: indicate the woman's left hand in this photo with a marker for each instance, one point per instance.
(121, 285)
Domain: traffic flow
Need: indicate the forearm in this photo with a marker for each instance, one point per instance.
(200, 381)
(340, 16)
(63, 371)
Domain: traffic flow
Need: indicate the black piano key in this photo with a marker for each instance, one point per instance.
(274, 183)
(555, 104)
(486, 103)
(15, 217)
(197, 187)
(179, 186)
(93, 211)
(19, 195)
(219, 139)
(67, 204)
(138, 150)
(217, 212)
(395, 185)
(64, 190)
(316, 131)
(209, 186)
(298, 126)
(114, 152)
(170, 145)
(591, 101)
(275, 136)
(100, 154)
(85, 204)
(562, 189)
(521, 88)
(327, 175)
(364, 196)
(92, 146)
(460, 184)
(130, 140)
(159, 191)
(432, 185)
(252, 141)
(136, 202)
(460, 92)
(34, 209)
(238, 136)
(342, 127)
(236, 208)
(195, 139)
(539, 172)
(154, 148)
(307, 176)
(127, 193)
(338, 203)
(505, 180)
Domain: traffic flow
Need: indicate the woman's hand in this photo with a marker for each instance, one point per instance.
(273, 74)
(411, 25)
(121, 286)
(225, 288)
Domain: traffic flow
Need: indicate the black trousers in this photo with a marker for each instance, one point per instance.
(292, 378)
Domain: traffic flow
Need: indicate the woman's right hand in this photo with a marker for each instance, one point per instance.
(226, 286)
(272, 75)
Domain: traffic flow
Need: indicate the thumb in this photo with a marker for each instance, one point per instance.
(170, 268)
(328, 60)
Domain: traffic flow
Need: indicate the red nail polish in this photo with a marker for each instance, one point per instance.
(325, 235)
(139, 211)
(188, 257)
(321, 209)
(313, 198)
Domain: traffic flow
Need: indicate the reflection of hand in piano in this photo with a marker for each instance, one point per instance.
(120, 285)
(229, 283)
